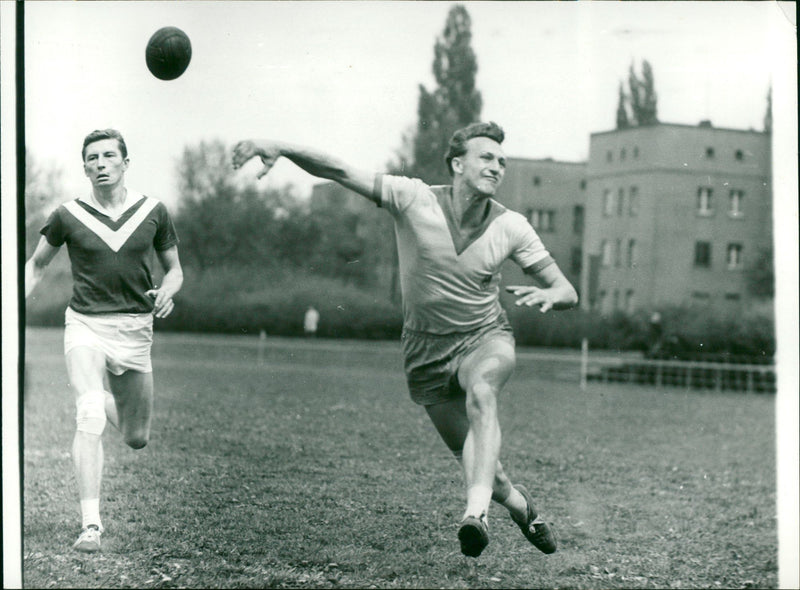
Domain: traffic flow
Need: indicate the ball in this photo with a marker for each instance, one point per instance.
(168, 53)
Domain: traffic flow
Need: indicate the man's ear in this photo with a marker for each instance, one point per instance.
(458, 166)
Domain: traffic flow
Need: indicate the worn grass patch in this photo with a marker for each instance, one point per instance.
(306, 465)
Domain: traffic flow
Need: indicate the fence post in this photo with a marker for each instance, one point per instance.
(749, 381)
(658, 373)
(719, 379)
(584, 362)
(262, 340)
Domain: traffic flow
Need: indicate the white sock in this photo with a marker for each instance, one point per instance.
(516, 504)
(478, 499)
(90, 511)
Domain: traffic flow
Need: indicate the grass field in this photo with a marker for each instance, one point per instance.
(308, 466)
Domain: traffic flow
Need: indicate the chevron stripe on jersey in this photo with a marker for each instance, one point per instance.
(113, 233)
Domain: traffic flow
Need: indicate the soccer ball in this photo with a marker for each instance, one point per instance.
(168, 53)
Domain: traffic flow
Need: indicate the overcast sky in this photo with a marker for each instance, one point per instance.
(344, 76)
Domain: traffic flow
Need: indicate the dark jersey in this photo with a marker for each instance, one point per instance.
(112, 260)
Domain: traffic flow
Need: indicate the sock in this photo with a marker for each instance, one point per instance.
(90, 511)
(516, 504)
(478, 498)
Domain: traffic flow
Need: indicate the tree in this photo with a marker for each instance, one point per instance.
(453, 104)
(649, 100)
(642, 98)
(622, 111)
(42, 192)
(768, 114)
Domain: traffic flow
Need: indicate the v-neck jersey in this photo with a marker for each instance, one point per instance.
(450, 275)
(111, 260)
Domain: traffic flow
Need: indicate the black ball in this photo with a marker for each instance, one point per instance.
(168, 53)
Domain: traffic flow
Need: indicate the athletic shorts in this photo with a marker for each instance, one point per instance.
(432, 360)
(124, 338)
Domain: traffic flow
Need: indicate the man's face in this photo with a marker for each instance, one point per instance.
(483, 166)
(103, 163)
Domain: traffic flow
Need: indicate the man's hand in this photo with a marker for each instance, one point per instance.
(163, 305)
(245, 150)
(530, 296)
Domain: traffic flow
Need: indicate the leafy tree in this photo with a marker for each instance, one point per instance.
(223, 223)
(43, 192)
(648, 114)
(768, 113)
(454, 103)
(642, 97)
(622, 111)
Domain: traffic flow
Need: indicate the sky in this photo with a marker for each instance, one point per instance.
(344, 76)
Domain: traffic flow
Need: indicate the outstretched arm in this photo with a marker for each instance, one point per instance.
(315, 163)
(556, 291)
(34, 268)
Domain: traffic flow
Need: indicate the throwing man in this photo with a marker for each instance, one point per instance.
(457, 342)
(111, 236)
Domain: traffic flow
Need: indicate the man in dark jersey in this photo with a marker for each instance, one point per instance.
(111, 235)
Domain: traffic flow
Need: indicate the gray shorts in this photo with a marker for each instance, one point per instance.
(432, 360)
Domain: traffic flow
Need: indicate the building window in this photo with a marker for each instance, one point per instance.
(710, 153)
(609, 156)
(702, 254)
(735, 200)
(704, 200)
(636, 151)
(615, 305)
(631, 253)
(734, 256)
(622, 154)
(633, 201)
(733, 296)
(739, 155)
(542, 219)
(537, 181)
(608, 203)
(583, 185)
(618, 253)
(576, 260)
(620, 202)
(700, 295)
(577, 219)
(629, 307)
(605, 253)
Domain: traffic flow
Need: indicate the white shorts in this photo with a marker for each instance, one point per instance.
(124, 338)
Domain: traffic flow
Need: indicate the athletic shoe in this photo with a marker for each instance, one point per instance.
(473, 535)
(89, 540)
(534, 528)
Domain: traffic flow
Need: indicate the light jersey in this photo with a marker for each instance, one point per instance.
(111, 259)
(450, 276)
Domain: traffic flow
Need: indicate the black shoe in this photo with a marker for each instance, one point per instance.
(535, 530)
(473, 535)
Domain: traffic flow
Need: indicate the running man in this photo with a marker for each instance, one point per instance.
(457, 342)
(111, 235)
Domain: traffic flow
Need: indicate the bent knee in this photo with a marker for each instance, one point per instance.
(482, 398)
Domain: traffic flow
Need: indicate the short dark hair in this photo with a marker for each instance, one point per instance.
(458, 142)
(100, 134)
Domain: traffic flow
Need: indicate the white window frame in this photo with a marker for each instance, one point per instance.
(733, 256)
(735, 201)
(705, 200)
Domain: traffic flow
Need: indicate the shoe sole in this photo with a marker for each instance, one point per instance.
(473, 539)
(87, 548)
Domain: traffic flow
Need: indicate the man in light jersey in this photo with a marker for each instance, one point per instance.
(111, 236)
(457, 342)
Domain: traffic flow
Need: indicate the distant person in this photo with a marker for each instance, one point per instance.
(311, 321)
(111, 235)
(457, 342)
